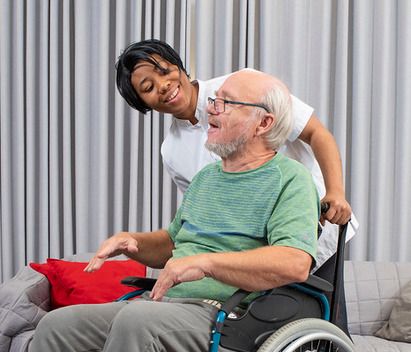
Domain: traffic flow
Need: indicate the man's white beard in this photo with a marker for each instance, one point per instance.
(224, 150)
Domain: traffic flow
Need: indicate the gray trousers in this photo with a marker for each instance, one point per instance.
(141, 325)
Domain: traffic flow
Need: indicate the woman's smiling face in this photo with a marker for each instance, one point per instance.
(165, 88)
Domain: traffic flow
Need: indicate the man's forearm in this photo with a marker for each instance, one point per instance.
(259, 269)
(151, 249)
(154, 248)
(255, 270)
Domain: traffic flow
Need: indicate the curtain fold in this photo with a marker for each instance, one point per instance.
(78, 165)
(402, 184)
(13, 178)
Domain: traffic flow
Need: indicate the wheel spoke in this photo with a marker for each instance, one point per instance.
(308, 335)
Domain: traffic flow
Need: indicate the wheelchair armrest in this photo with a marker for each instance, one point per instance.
(318, 283)
(140, 282)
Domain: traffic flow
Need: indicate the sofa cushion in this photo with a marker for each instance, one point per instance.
(376, 344)
(398, 327)
(71, 285)
(371, 288)
(21, 341)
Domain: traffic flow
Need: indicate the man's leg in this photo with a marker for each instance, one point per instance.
(78, 328)
(139, 325)
(171, 326)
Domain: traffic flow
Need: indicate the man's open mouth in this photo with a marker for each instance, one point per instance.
(212, 125)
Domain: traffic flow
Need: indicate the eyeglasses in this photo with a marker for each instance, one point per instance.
(219, 104)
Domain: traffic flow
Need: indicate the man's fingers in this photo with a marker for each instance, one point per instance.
(94, 264)
(159, 290)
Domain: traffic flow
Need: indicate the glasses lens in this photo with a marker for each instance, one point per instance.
(214, 102)
(219, 105)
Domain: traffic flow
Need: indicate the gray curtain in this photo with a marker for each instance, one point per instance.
(77, 164)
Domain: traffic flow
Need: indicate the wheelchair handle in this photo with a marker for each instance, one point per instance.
(324, 207)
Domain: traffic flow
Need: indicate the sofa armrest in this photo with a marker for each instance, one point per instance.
(24, 300)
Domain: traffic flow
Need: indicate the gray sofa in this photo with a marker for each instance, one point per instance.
(371, 290)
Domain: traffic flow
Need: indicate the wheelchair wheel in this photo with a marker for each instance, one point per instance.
(308, 335)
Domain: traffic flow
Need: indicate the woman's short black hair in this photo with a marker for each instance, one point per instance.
(131, 56)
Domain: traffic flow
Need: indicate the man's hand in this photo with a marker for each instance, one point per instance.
(121, 243)
(339, 211)
(177, 271)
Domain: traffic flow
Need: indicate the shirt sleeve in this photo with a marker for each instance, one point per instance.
(294, 221)
(302, 113)
(175, 225)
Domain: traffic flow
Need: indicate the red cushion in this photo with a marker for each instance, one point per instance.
(71, 285)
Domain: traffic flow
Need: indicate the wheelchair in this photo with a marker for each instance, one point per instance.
(296, 317)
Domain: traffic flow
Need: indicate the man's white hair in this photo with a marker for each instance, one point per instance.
(278, 100)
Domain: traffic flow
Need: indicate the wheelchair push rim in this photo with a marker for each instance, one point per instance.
(308, 335)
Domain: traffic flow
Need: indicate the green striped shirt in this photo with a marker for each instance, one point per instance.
(274, 204)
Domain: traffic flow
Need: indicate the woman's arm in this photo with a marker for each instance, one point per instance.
(327, 154)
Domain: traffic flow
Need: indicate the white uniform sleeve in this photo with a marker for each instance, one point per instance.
(302, 113)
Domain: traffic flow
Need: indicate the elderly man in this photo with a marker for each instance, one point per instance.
(248, 221)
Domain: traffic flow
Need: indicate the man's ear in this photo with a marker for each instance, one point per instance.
(265, 124)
